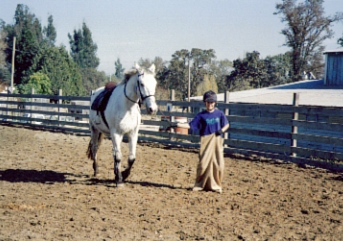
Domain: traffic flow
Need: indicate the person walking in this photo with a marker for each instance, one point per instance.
(211, 124)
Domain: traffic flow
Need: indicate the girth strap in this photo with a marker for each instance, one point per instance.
(102, 113)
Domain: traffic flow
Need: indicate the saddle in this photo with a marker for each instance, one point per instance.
(101, 101)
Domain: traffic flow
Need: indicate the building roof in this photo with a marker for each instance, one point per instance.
(311, 92)
(339, 50)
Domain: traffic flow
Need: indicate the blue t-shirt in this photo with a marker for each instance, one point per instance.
(208, 122)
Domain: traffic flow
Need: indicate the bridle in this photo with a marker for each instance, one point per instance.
(142, 98)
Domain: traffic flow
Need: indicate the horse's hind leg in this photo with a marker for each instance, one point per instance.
(94, 143)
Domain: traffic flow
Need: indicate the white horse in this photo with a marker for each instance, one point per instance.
(122, 116)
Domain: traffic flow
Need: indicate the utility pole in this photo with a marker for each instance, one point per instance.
(13, 58)
(189, 80)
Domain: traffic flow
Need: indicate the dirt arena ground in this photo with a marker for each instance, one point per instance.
(47, 192)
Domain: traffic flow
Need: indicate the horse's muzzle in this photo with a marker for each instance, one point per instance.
(152, 110)
(151, 106)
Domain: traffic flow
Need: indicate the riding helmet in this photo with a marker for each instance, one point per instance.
(210, 96)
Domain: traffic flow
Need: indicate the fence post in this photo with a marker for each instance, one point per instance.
(59, 108)
(7, 100)
(172, 118)
(172, 98)
(294, 127)
(227, 111)
(32, 99)
(32, 104)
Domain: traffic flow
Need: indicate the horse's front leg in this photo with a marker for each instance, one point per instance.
(117, 156)
(133, 137)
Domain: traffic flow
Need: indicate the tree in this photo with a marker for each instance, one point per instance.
(83, 49)
(253, 72)
(83, 52)
(248, 73)
(119, 73)
(158, 62)
(221, 69)
(28, 32)
(278, 68)
(3, 46)
(307, 28)
(236, 80)
(50, 32)
(62, 71)
(202, 75)
(202, 57)
(256, 70)
(340, 41)
(92, 79)
(38, 81)
(4, 73)
(208, 83)
(176, 75)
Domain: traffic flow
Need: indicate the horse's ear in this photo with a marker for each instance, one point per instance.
(152, 68)
(137, 66)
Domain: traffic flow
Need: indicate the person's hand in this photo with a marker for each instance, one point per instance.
(219, 132)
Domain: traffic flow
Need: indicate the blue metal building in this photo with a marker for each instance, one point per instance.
(333, 74)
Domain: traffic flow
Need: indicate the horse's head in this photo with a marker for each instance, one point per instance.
(146, 86)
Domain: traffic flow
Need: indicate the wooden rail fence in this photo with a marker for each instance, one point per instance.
(311, 135)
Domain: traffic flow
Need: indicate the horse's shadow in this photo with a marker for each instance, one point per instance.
(111, 183)
(50, 177)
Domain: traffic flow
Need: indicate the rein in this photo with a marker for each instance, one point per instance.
(126, 94)
(139, 88)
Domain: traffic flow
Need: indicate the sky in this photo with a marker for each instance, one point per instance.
(135, 29)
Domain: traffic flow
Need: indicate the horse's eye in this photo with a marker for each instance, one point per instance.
(142, 84)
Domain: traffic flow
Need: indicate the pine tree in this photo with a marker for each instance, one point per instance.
(50, 32)
(28, 32)
(119, 69)
(83, 49)
(61, 70)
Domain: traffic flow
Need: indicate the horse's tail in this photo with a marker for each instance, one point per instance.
(89, 150)
(90, 153)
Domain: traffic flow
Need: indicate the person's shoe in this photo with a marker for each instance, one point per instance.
(196, 189)
(218, 190)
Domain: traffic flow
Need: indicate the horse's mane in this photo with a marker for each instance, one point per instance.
(129, 73)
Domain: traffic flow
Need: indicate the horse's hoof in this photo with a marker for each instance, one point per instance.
(120, 185)
(125, 174)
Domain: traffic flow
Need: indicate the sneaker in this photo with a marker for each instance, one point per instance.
(218, 190)
(196, 189)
